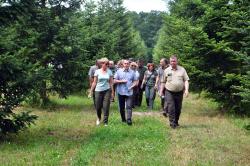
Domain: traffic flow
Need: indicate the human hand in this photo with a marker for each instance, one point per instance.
(186, 93)
(90, 94)
(124, 81)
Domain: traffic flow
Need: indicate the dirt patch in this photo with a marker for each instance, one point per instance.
(147, 113)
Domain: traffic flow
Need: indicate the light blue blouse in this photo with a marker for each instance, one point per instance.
(102, 80)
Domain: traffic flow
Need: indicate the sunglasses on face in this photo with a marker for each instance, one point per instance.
(105, 63)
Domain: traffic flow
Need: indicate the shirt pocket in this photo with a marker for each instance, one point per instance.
(169, 77)
(179, 77)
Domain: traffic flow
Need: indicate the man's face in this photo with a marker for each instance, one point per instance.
(162, 63)
(99, 64)
(126, 64)
(173, 62)
(111, 64)
(140, 63)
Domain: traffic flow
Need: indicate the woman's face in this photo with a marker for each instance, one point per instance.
(151, 67)
(105, 65)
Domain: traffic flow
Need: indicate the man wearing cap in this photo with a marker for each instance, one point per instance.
(175, 80)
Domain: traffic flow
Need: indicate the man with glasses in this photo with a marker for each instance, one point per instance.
(126, 80)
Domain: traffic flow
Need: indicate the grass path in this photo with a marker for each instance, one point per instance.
(67, 135)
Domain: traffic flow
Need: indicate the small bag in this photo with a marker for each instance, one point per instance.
(143, 87)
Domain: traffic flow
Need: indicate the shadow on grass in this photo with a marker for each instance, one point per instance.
(193, 126)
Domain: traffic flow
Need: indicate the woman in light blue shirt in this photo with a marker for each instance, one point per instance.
(103, 85)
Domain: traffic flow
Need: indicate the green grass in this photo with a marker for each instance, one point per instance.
(66, 134)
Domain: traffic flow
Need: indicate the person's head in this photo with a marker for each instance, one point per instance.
(98, 64)
(151, 66)
(133, 65)
(173, 61)
(163, 62)
(126, 64)
(104, 62)
(120, 64)
(131, 60)
(140, 62)
(111, 64)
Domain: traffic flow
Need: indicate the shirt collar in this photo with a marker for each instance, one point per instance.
(173, 69)
(125, 70)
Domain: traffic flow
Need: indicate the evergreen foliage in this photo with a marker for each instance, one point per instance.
(211, 39)
(48, 46)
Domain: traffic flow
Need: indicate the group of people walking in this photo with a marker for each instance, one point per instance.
(129, 79)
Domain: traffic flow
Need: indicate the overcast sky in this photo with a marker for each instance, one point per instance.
(145, 5)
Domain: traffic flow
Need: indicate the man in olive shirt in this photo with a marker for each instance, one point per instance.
(175, 80)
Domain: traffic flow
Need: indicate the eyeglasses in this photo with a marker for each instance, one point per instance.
(105, 63)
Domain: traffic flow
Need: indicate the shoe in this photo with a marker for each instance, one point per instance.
(173, 126)
(129, 122)
(98, 122)
(164, 114)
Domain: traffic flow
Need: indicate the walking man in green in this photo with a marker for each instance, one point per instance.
(175, 80)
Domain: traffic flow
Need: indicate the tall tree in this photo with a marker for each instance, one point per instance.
(212, 42)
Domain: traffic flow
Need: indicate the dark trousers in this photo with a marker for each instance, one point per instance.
(163, 100)
(94, 97)
(135, 96)
(125, 101)
(102, 101)
(174, 105)
(139, 94)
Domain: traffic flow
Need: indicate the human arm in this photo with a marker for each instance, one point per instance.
(143, 82)
(111, 86)
(186, 92)
(117, 79)
(93, 85)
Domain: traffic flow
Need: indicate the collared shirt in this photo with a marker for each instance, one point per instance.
(102, 80)
(130, 76)
(160, 72)
(174, 79)
(141, 71)
(92, 70)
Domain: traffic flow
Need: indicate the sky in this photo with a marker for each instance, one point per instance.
(145, 5)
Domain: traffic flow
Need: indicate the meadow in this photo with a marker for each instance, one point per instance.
(66, 134)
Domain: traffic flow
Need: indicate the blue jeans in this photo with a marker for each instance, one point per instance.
(150, 96)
